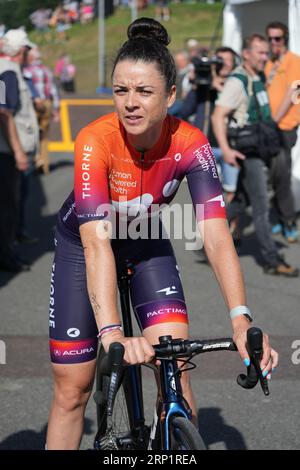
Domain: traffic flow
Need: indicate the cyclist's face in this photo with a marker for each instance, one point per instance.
(140, 96)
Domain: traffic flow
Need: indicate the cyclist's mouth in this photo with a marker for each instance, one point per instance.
(133, 120)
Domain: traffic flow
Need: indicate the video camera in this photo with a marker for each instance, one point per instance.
(203, 69)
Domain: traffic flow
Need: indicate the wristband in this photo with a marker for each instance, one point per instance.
(241, 310)
(108, 328)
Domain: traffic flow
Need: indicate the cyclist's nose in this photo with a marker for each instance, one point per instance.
(131, 101)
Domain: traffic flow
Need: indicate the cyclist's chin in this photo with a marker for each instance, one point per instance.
(135, 128)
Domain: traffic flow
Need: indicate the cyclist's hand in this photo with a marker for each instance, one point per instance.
(137, 349)
(270, 357)
(232, 157)
(240, 327)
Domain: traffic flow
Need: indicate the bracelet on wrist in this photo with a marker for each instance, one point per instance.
(241, 310)
(108, 329)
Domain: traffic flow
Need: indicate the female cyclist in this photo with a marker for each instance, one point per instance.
(125, 163)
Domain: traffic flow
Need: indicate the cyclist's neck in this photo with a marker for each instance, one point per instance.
(146, 141)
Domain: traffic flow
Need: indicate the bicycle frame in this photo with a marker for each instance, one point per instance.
(170, 404)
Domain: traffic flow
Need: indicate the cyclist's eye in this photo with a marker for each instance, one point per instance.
(145, 92)
(119, 91)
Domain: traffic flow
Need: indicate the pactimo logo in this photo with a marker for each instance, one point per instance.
(73, 332)
(166, 311)
(168, 290)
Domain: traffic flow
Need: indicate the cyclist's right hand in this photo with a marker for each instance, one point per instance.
(137, 348)
(232, 156)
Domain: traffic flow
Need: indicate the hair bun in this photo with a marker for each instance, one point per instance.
(148, 28)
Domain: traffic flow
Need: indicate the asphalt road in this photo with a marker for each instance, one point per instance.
(229, 417)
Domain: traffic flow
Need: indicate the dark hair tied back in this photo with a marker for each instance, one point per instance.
(148, 28)
(147, 42)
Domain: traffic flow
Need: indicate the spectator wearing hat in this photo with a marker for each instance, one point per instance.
(17, 148)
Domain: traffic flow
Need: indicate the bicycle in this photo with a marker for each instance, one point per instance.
(119, 395)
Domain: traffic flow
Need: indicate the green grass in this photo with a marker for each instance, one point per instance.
(196, 20)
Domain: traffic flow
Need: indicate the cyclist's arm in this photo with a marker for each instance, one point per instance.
(223, 258)
(102, 289)
(206, 194)
(101, 273)
(224, 261)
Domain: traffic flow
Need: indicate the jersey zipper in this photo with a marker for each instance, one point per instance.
(142, 170)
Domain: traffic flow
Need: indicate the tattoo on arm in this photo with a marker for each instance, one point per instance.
(95, 305)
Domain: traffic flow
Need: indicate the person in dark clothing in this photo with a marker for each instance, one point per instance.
(18, 141)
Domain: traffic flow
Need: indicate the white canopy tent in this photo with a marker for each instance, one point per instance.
(244, 17)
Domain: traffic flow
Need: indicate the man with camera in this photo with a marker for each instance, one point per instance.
(244, 102)
(208, 77)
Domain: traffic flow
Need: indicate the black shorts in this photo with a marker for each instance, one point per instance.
(155, 289)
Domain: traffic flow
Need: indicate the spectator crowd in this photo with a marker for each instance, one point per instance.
(251, 98)
(62, 17)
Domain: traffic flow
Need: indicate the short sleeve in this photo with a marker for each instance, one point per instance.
(91, 185)
(233, 94)
(203, 180)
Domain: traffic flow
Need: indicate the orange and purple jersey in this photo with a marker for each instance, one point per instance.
(109, 172)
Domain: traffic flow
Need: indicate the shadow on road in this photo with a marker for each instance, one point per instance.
(214, 429)
(32, 440)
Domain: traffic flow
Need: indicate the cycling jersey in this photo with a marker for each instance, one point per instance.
(109, 172)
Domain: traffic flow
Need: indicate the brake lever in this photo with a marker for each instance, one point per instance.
(254, 372)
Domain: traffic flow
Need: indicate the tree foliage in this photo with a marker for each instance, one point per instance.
(15, 13)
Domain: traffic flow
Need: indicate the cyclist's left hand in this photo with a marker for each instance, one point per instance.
(270, 357)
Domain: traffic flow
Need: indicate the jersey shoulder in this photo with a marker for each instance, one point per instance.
(103, 128)
(186, 134)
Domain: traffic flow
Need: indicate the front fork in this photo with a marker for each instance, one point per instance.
(170, 404)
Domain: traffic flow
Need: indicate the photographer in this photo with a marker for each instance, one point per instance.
(208, 78)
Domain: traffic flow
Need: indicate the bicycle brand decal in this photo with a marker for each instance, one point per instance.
(216, 346)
